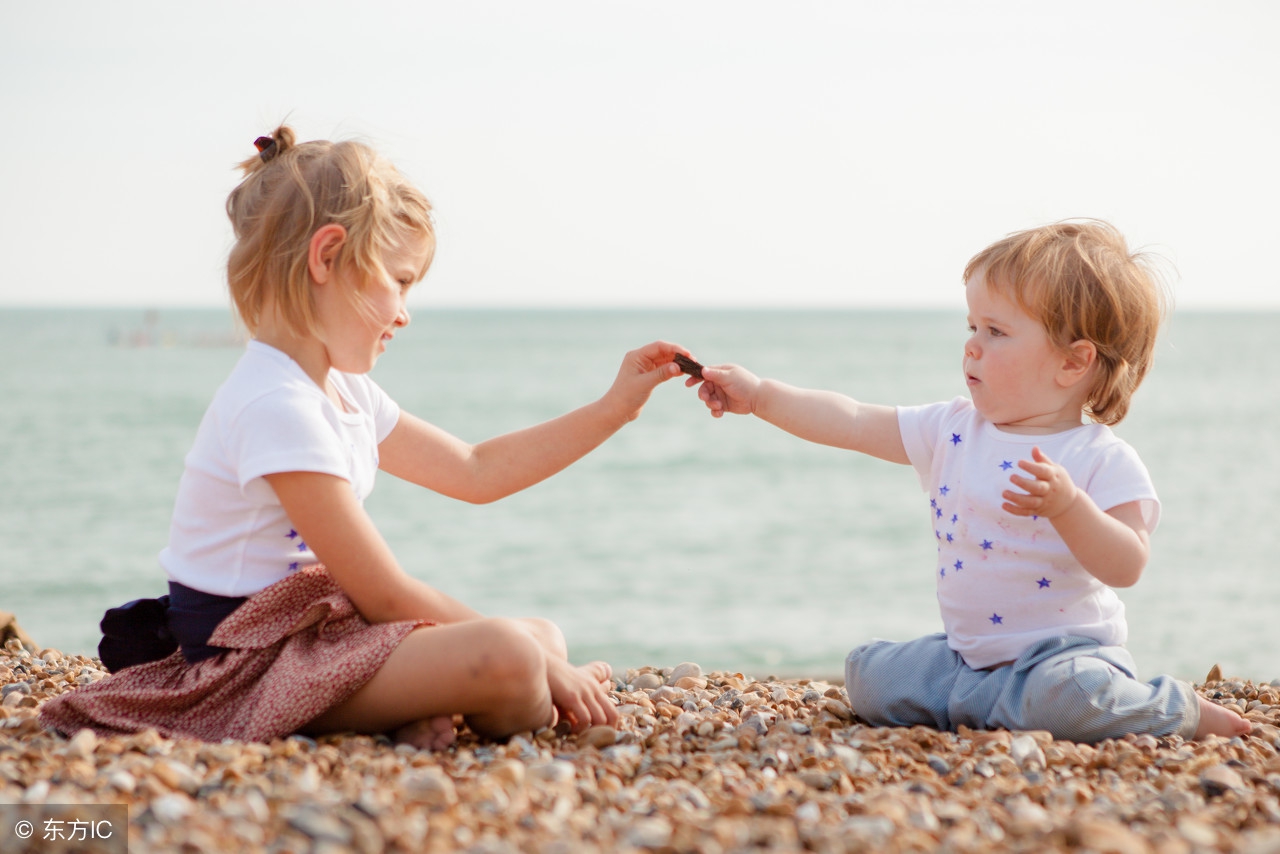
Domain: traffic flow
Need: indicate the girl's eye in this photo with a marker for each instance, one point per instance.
(995, 333)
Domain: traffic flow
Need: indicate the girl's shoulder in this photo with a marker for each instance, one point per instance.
(364, 398)
(262, 373)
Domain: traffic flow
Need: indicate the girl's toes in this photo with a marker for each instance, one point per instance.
(599, 670)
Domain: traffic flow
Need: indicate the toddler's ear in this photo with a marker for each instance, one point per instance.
(1077, 362)
(323, 251)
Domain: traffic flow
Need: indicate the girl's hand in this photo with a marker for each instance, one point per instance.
(580, 693)
(728, 388)
(1049, 492)
(642, 371)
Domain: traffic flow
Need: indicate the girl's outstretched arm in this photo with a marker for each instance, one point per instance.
(825, 417)
(428, 456)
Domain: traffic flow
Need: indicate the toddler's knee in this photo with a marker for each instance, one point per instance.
(863, 682)
(1086, 701)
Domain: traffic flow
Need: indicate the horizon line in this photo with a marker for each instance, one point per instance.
(1206, 308)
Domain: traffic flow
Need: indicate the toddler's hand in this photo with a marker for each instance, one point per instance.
(1049, 492)
(728, 388)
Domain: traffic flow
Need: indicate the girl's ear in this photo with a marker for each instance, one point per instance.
(1077, 362)
(323, 251)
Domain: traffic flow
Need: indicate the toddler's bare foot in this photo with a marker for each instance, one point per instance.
(1216, 720)
(430, 734)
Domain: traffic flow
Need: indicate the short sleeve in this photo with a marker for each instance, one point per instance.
(920, 427)
(286, 431)
(369, 398)
(1120, 478)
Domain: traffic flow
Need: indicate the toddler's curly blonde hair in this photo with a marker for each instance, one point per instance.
(1079, 279)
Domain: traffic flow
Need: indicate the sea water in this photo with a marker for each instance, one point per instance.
(684, 538)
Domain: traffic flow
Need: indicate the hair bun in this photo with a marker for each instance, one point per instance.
(266, 148)
(269, 147)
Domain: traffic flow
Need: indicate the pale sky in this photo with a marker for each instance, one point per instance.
(726, 154)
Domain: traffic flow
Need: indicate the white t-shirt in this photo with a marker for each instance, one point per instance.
(1005, 581)
(229, 535)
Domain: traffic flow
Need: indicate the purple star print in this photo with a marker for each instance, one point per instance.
(996, 619)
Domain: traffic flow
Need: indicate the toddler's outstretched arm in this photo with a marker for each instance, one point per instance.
(1113, 545)
(824, 417)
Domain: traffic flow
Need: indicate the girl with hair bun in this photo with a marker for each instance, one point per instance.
(287, 611)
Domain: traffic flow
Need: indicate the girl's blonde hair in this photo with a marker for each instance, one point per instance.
(289, 191)
(1079, 279)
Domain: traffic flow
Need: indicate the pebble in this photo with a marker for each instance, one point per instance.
(698, 761)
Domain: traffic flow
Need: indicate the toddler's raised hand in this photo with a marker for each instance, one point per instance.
(728, 388)
(1049, 492)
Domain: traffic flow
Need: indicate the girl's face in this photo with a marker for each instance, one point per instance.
(357, 322)
(1014, 372)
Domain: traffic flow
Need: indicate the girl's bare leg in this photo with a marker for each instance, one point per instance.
(551, 639)
(577, 708)
(490, 671)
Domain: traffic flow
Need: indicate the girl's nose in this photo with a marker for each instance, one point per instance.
(971, 350)
(402, 318)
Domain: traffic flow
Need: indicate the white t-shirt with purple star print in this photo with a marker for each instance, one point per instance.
(1005, 581)
(229, 535)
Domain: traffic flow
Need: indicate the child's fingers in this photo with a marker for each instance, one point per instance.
(1022, 499)
(1036, 487)
(1038, 470)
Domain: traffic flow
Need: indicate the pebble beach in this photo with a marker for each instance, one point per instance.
(706, 762)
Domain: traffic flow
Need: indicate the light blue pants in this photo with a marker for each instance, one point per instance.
(1071, 686)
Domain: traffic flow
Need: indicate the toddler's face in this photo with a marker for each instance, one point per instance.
(1011, 366)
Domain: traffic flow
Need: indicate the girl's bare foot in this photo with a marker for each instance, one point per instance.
(430, 734)
(598, 670)
(1216, 720)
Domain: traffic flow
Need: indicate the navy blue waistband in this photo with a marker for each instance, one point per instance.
(192, 617)
(151, 629)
